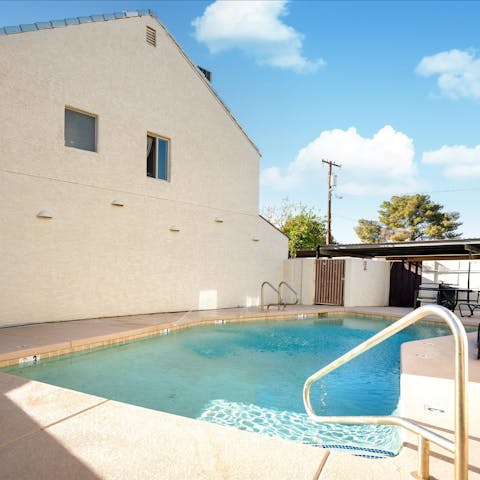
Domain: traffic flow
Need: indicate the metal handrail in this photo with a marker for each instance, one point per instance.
(280, 285)
(262, 297)
(460, 445)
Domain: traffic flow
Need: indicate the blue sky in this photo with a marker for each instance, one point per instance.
(391, 90)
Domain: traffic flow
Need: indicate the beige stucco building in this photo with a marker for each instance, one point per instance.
(119, 241)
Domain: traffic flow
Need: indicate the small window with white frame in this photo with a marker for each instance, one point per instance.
(80, 130)
(158, 152)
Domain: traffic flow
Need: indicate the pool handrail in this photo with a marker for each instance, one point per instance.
(280, 285)
(459, 447)
(278, 291)
(262, 304)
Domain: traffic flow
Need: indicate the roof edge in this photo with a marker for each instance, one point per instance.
(66, 22)
(206, 83)
(51, 24)
(274, 226)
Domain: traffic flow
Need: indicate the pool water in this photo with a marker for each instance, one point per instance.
(251, 375)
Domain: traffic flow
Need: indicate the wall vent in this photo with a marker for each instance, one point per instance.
(206, 73)
(151, 36)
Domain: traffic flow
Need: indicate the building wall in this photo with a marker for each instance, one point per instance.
(94, 259)
(109, 70)
(300, 274)
(367, 283)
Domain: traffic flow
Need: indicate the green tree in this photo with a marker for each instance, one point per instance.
(369, 231)
(303, 225)
(409, 218)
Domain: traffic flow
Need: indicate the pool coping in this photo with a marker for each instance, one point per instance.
(161, 324)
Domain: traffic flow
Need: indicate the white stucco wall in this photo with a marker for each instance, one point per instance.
(300, 274)
(367, 282)
(94, 259)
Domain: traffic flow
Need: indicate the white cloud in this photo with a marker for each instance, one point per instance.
(460, 162)
(382, 164)
(256, 28)
(458, 72)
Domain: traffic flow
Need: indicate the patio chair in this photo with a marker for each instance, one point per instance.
(470, 306)
(447, 296)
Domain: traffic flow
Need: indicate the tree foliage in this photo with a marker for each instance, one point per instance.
(303, 225)
(409, 218)
(369, 231)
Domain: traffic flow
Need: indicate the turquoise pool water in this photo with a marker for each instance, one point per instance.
(250, 375)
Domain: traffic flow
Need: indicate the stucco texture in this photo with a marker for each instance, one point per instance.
(93, 259)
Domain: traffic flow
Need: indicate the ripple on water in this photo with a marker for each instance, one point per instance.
(365, 440)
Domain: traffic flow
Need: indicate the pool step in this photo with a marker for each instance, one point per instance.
(371, 441)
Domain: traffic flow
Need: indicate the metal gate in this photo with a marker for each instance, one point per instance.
(329, 281)
(405, 278)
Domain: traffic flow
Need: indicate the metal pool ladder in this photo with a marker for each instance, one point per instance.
(459, 447)
(278, 291)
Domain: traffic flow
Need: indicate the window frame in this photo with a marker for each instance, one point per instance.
(157, 137)
(95, 130)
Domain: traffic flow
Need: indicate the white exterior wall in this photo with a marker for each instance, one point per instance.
(300, 274)
(367, 283)
(94, 259)
(363, 287)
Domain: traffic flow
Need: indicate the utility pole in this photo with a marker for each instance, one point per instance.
(330, 187)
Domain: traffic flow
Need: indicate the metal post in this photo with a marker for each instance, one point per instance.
(329, 214)
(423, 472)
(328, 240)
(461, 404)
(468, 278)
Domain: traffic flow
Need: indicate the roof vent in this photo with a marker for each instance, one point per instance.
(206, 73)
(151, 36)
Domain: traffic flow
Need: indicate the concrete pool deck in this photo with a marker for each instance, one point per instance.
(58, 338)
(51, 432)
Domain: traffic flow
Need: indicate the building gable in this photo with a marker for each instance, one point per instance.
(23, 28)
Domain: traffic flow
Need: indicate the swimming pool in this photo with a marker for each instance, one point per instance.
(250, 375)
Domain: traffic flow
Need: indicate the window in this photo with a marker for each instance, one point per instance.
(80, 130)
(157, 157)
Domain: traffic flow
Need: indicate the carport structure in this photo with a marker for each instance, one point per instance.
(406, 266)
(452, 249)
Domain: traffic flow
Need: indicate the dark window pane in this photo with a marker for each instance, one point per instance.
(162, 159)
(79, 130)
(151, 156)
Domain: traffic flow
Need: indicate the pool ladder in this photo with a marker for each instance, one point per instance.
(459, 447)
(278, 291)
